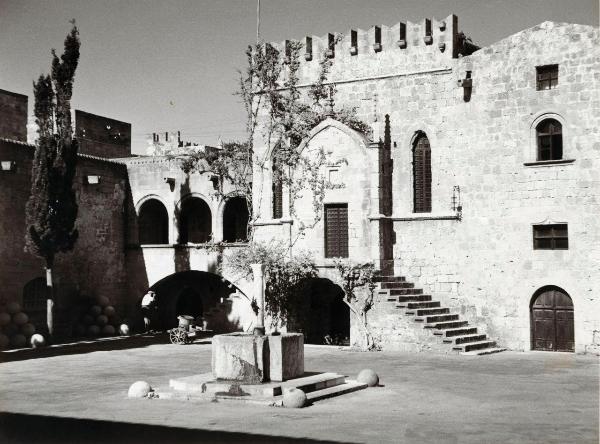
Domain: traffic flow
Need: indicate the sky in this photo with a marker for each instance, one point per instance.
(169, 65)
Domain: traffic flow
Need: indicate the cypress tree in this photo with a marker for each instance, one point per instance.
(52, 206)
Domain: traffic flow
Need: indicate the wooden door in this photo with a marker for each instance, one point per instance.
(336, 230)
(552, 321)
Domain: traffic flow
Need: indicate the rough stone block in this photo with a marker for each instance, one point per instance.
(240, 357)
(286, 356)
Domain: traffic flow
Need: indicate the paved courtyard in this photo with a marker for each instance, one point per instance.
(81, 395)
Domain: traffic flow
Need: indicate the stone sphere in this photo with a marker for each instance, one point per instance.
(93, 330)
(139, 389)
(87, 319)
(124, 329)
(4, 318)
(20, 318)
(95, 310)
(79, 330)
(101, 320)
(103, 301)
(109, 310)
(294, 398)
(37, 341)
(10, 329)
(108, 330)
(13, 307)
(18, 341)
(28, 329)
(4, 341)
(369, 377)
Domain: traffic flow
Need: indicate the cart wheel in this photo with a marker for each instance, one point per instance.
(177, 336)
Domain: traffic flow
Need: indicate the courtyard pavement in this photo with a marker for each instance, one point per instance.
(81, 396)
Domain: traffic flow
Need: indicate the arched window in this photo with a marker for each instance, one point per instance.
(35, 294)
(552, 324)
(549, 140)
(235, 220)
(195, 221)
(422, 175)
(153, 223)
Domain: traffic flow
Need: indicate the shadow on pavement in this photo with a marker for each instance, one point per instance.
(20, 428)
(87, 346)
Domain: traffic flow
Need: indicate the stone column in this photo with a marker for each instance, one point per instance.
(258, 270)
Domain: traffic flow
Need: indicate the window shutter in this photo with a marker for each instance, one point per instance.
(422, 175)
(336, 230)
(277, 188)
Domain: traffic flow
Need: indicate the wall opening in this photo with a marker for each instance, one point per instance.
(235, 220)
(195, 221)
(153, 223)
(552, 321)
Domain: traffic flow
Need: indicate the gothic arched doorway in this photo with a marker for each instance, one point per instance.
(552, 322)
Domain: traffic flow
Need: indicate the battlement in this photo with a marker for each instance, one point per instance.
(406, 45)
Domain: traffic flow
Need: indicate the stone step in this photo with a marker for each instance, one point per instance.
(394, 285)
(447, 325)
(484, 351)
(463, 339)
(432, 311)
(389, 279)
(435, 319)
(330, 392)
(417, 305)
(471, 346)
(451, 332)
(405, 291)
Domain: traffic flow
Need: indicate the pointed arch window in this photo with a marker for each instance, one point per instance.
(422, 174)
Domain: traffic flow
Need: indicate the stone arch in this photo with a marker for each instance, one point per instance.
(235, 218)
(153, 222)
(194, 219)
(357, 137)
(552, 321)
(201, 294)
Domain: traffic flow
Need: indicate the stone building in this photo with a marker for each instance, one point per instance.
(479, 186)
(476, 193)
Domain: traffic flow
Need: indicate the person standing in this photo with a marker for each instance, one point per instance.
(149, 306)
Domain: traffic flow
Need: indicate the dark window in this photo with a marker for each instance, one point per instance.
(336, 230)
(35, 294)
(547, 77)
(235, 220)
(277, 189)
(550, 237)
(195, 224)
(422, 175)
(549, 140)
(153, 223)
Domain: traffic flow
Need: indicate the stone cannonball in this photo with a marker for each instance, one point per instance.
(4, 341)
(28, 329)
(37, 341)
(139, 389)
(18, 341)
(13, 307)
(10, 329)
(124, 329)
(103, 301)
(20, 318)
(294, 398)
(4, 318)
(101, 320)
(108, 330)
(95, 310)
(369, 377)
(87, 319)
(109, 310)
(93, 330)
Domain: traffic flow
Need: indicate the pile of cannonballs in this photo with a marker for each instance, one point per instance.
(99, 319)
(15, 329)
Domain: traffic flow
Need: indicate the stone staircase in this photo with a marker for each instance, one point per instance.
(448, 327)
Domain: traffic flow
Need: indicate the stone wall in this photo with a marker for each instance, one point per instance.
(101, 136)
(481, 260)
(96, 267)
(13, 113)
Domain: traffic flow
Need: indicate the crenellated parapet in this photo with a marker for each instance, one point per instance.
(382, 50)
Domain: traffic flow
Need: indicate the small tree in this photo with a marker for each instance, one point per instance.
(52, 206)
(357, 281)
